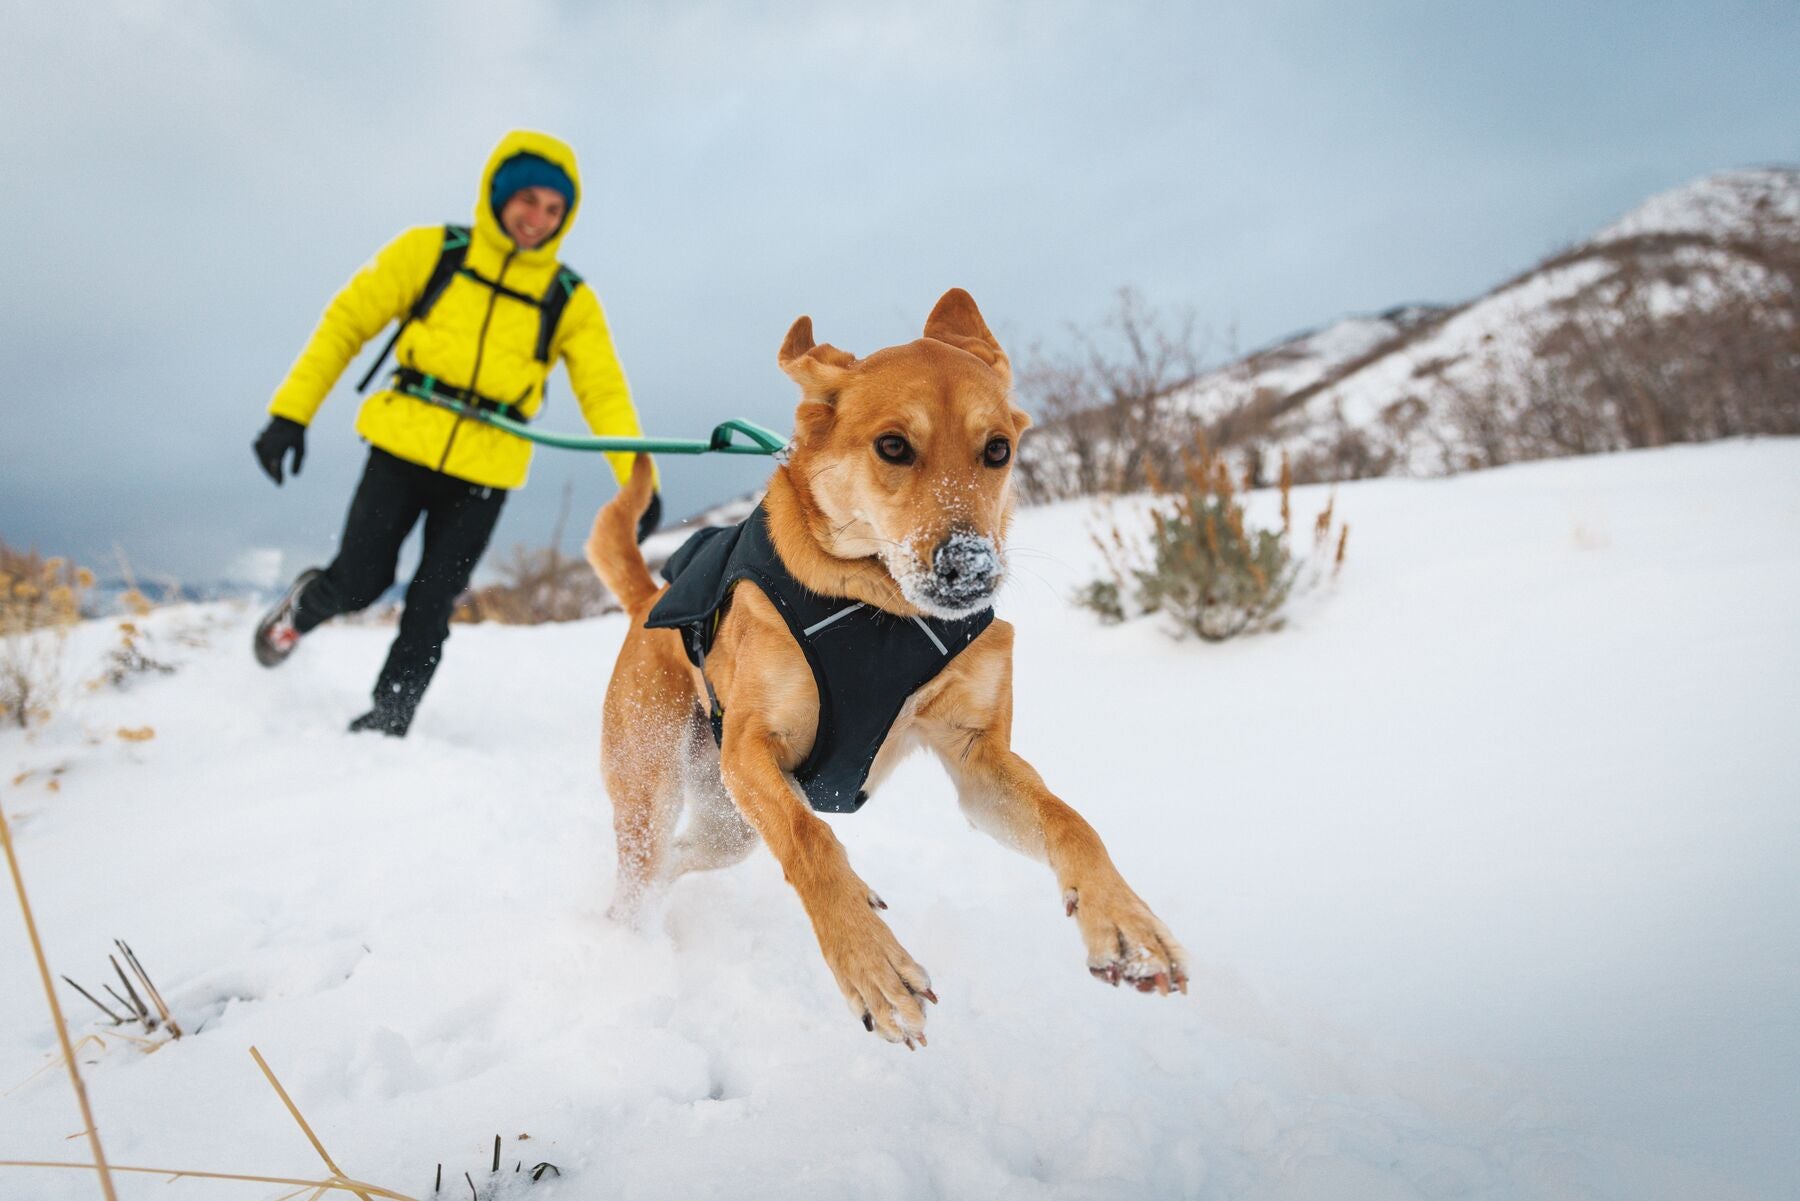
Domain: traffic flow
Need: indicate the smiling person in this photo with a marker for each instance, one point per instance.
(485, 312)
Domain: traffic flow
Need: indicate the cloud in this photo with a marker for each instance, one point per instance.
(189, 182)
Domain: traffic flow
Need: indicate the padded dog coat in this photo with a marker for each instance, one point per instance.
(865, 662)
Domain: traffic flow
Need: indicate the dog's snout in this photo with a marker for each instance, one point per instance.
(967, 566)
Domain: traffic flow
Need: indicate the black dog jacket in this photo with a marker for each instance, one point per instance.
(865, 662)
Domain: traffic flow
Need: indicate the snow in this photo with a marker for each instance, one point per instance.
(1402, 403)
(1486, 863)
(1742, 203)
(1497, 329)
(1288, 366)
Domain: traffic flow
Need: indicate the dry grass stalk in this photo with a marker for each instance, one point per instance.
(131, 1001)
(131, 958)
(56, 1015)
(339, 1184)
(337, 1181)
(116, 1019)
(57, 1060)
(337, 1173)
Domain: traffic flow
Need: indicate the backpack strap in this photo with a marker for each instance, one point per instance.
(449, 262)
(449, 265)
(550, 308)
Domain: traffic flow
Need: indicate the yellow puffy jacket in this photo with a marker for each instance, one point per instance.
(473, 337)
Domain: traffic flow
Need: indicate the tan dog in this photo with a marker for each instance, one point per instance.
(896, 457)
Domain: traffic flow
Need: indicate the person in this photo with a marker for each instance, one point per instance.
(484, 341)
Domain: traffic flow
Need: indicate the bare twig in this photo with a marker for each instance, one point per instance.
(136, 1016)
(137, 1003)
(149, 987)
(117, 1020)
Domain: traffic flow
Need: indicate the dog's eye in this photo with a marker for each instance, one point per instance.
(894, 449)
(997, 453)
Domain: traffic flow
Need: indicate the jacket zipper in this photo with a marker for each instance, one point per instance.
(480, 349)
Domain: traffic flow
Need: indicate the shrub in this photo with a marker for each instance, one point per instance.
(1200, 562)
(40, 601)
(130, 656)
(1103, 403)
(536, 586)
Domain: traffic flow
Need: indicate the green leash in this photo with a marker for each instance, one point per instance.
(761, 441)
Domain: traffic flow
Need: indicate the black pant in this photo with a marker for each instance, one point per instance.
(459, 520)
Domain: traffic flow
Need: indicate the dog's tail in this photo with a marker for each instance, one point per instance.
(612, 547)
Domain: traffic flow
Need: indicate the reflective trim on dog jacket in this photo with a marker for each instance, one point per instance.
(865, 662)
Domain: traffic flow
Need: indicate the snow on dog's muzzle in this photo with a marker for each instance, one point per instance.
(965, 570)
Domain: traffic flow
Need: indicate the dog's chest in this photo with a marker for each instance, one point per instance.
(866, 664)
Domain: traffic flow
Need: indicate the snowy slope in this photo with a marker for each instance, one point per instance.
(1419, 390)
(1487, 863)
(1731, 204)
(1303, 362)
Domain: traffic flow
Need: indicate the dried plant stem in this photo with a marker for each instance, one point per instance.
(336, 1172)
(56, 1061)
(117, 1020)
(339, 1183)
(56, 1015)
(149, 987)
(137, 1003)
(132, 1009)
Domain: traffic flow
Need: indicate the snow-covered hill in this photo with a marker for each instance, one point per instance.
(1487, 862)
(1746, 205)
(1632, 338)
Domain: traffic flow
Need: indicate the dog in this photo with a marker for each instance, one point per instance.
(892, 507)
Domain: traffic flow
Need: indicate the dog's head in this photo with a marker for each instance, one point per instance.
(908, 454)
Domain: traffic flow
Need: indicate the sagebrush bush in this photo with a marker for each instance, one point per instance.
(40, 601)
(1200, 562)
(131, 657)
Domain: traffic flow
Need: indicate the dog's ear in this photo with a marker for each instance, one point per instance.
(820, 370)
(958, 322)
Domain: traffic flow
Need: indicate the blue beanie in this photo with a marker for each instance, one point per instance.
(529, 171)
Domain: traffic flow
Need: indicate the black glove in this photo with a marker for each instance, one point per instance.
(652, 517)
(272, 445)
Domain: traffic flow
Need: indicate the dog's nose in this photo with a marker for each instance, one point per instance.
(966, 566)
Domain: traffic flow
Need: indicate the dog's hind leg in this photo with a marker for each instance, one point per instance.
(716, 834)
(641, 762)
(645, 811)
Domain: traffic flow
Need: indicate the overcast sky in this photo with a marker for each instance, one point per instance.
(186, 184)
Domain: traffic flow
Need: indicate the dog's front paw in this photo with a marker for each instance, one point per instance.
(885, 988)
(1125, 941)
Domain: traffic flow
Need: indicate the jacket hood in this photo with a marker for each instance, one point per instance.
(554, 150)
